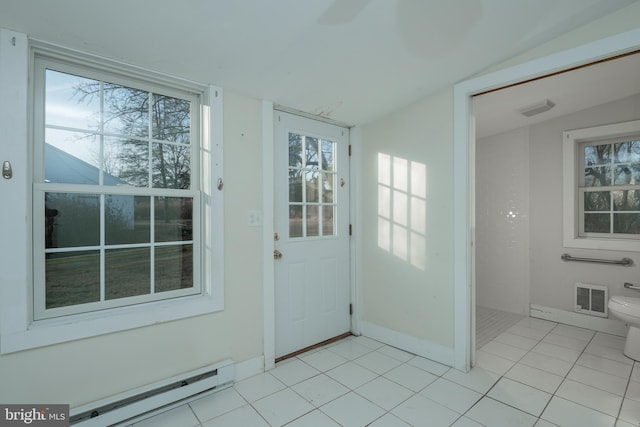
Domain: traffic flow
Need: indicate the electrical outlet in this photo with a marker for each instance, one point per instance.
(254, 218)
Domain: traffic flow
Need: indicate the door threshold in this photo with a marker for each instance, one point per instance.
(311, 347)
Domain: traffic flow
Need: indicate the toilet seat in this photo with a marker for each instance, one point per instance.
(626, 305)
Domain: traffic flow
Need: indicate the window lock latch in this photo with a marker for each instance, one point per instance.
(7, 170)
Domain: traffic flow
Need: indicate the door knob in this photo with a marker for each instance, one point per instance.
(277, 254)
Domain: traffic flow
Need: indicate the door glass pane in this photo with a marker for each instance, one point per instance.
(328, 220)
(311, 155)
(295, 221)
(311, 180)
(295, 150)
(127, 272)
(295, 185)
(328, 184)
(328, 155)
(72, 278)
(313, 221)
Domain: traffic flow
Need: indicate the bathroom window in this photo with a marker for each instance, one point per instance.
(603, 185)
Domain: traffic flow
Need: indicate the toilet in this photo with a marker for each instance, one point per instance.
(627, 309)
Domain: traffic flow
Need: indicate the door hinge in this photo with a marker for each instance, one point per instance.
(349, 150)
(350, 230)
(350, 309)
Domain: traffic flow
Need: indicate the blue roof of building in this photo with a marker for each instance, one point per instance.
(62, 167)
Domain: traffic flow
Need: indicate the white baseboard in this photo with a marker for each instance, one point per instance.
(428, 349)
(600, 324)
(249, 368)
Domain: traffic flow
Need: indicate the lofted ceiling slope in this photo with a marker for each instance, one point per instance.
(348, 60)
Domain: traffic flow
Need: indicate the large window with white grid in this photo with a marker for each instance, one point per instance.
(602, 187)
(117, 191)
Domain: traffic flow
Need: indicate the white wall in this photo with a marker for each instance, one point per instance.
(405, 306)
(502, 222)
(406, 284)
(552, 279)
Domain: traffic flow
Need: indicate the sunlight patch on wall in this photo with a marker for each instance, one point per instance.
(402, 209)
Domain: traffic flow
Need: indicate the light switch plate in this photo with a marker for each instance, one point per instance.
(254, 218)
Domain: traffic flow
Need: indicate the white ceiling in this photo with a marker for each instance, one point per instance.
(572, 91)
(349, 60)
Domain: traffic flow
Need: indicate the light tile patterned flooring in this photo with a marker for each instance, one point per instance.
(490, 323)
(536, 373)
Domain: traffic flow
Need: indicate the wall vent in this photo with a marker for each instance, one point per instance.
(591, 299)
(133, 405)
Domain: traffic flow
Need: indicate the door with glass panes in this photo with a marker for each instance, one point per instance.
(311, 245)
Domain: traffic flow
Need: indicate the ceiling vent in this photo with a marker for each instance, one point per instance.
(537, 108)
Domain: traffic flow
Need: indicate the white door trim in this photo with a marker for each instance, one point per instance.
(464, 158)
(268, 269)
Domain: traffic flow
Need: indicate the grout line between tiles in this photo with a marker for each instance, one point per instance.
(440, 376)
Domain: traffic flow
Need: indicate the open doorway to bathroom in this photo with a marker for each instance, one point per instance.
(518, 187)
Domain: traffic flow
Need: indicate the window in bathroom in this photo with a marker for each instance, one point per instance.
(603, 185)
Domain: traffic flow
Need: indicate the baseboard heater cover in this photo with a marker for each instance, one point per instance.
(134, 403)
(591, 299)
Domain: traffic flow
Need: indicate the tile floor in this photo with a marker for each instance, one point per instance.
(536, 373)
(490, 323)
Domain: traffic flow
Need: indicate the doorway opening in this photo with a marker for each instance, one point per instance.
(467, 125)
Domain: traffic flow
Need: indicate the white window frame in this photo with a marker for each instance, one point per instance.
(572, 211)
(18, 330)
(42, 64)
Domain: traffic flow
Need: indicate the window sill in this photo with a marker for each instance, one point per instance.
(70, 328)
(622, 245)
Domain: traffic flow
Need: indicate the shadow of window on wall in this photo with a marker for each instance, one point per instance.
(402, 208)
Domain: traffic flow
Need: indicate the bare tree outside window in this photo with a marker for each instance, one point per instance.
(610, 183)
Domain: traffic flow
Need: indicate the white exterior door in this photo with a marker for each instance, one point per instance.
(311, 218)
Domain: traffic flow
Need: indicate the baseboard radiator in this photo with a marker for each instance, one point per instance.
(133, 404)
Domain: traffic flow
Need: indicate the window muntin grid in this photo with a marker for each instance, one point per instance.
(609, 188)
(116, 177)
(312, 181)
